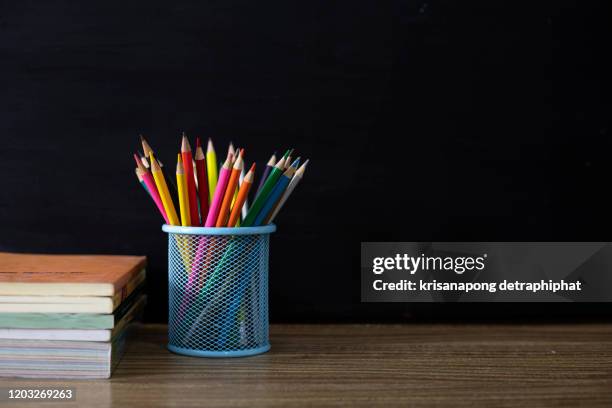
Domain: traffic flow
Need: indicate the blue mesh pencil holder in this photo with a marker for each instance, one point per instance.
(218, 290)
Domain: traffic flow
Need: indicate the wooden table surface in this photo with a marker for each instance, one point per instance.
(368, 365)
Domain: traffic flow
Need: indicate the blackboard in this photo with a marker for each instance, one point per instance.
(423, 121)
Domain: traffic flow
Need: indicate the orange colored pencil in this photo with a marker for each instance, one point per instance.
(191, 188)
(242, 196)
(229, 192)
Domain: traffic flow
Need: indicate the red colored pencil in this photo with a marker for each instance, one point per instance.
(200, 161)
(191, 188)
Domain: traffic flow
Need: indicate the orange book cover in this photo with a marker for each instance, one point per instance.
(93, 275)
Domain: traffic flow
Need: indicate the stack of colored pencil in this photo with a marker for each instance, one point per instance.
(210, 197)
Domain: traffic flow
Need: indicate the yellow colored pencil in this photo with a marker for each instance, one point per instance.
(181, 183)
(162, 189)
(211, 169)
(148, 151)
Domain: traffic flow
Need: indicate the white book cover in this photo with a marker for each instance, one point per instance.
(56, 334)
(87, 300)
(104, 305)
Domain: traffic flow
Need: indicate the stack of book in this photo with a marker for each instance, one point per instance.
(67, 316)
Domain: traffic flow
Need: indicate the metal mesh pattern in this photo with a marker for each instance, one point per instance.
(218, 292)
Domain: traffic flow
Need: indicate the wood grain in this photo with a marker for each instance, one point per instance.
(370, 365)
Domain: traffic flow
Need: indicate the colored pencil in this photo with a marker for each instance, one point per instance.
(245, 205)
(141, 181)
(215, 204)
(229, 191)
(263, 195)
(143, 160)
(146, 148)
(181, 183)
(207, 203)
(149, 182)
(287, 162)
(284, 159)
(266, 173)
(162, 188)
(288, 159)
(200, 163)
(211, 167)
(297, 177)
(140, 169)
(148, 151)
(195, 173)
(243, 193)
(192, 197)
(276, 193)
(240, 178)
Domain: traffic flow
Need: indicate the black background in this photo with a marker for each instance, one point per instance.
(424, 121)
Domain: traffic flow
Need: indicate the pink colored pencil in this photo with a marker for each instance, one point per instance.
(215, 206)
(147, 177)
(202, 257)
(211, 219)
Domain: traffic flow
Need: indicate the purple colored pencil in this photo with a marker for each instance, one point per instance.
(266, 172)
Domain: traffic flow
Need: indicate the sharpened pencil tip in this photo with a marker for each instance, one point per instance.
(302, 168)
(179, 164)
(153, 163)
(272, 160)
(138, 160)
(228, 161)
(238, 163)
(185, 147)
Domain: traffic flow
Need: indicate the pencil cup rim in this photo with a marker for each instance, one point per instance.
(176, 229)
